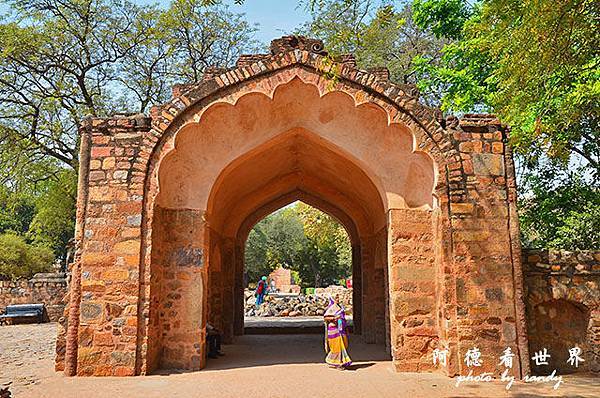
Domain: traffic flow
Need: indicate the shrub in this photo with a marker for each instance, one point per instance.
(18, 259)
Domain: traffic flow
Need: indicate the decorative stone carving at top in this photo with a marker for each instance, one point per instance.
(291, 43)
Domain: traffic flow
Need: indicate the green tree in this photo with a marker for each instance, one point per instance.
(21, 260)
(273, 242)
(16, 211)
(558, 209)
(534, 63)
(303, 239)
(202, 36)
(54, 222)
(327, 255)
(61, 61)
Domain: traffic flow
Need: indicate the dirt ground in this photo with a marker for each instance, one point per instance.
(256, 366)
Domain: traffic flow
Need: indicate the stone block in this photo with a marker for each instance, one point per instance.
(108, 163)
(123, 358)
(101, 151)
(406, 304)
(130, 247)
(88, 356)
(103, 339)
(115, 274)
(120, 175)
(134, 220)
(462, 208)
(487, 164)
(409, 273)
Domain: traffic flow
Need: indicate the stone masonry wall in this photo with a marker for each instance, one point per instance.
(177, 290)
(412, 290)
(563, 300)
(49, 289)
(106, 336)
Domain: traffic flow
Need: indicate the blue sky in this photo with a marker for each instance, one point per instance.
(274, 17)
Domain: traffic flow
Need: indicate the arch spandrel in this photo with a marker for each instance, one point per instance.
(225, 132)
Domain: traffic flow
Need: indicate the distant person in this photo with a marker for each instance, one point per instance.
(213, 341)
(273, 286)
(336, 336)
(261, 291)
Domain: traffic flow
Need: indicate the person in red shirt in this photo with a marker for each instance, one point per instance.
(261, 291)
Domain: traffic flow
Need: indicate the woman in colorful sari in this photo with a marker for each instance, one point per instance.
(336, 337)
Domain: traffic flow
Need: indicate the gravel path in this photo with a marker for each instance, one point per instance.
(26, 354)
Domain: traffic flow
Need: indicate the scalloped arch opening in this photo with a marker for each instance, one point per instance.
(386, 153)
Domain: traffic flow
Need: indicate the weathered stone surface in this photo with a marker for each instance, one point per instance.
(90, 312)
(488, 164)
(563, 298)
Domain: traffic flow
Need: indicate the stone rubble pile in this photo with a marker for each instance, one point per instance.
(292, 305)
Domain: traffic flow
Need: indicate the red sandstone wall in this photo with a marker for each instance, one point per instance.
(481, 269)
(106, 338)
(177, 294)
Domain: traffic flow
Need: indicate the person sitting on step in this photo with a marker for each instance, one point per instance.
(213, 341)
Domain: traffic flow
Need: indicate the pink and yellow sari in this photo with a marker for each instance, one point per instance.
(336, 337)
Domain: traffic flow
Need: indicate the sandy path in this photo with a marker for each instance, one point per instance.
(256, 366)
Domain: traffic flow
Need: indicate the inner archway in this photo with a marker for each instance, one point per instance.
(306, 257)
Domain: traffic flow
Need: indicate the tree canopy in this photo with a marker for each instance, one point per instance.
(534, 63)
(62, 61)
(377, 33)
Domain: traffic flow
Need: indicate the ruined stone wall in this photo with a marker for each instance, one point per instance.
(563, 306)
(282, 278)
(105, 337)
(49, 289)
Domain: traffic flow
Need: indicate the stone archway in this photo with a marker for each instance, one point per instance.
(160, 206)
(235, 160)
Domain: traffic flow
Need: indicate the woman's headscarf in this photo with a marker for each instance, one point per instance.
(334, 309)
